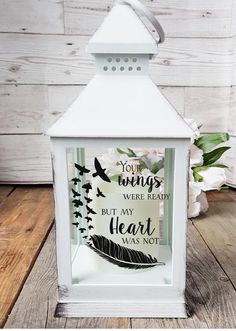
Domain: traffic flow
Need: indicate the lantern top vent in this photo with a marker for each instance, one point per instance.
(123, 31)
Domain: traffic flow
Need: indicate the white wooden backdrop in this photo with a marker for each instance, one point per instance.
(43, 67)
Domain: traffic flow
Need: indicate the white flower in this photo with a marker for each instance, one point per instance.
(213, 178)
(196, 154)
(194, 206)
(111, 159)
(202, 199)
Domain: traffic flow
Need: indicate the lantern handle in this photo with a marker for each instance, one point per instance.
(142, 10)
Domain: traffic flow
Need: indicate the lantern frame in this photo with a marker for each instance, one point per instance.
(122, 300)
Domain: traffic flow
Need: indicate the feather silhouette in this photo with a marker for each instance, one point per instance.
(122, 256)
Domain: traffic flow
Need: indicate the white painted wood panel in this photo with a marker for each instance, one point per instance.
(233, 18)
(31, 16)
(180, 18)
(210, 107)
(23, 108)
(61, 59)
(232, 113)
(25, 159)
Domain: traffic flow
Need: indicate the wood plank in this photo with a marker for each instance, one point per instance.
(210, 107)
(232, 114)
(25, 159)
(219, 232)
(230, 161)
(23, 108)
(233, 21)
(5, 190)
(62, 59)
(175, 95)
(31, 16)
(39, 295)
(26, 217)
(185, 18)
(211, 297)
(221, 196)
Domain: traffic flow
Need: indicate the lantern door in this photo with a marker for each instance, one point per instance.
(125, 207)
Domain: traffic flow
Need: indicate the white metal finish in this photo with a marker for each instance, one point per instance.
(122, 32)
(121, 106)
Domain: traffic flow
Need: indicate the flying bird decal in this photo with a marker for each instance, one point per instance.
(100, 171)
(88, 200)
(77, 214)
(87, 187)
(82, 169)
(75, 180)
(75, 194)
(90, 210)
(99, 193)
(77, 203)
(76, 224)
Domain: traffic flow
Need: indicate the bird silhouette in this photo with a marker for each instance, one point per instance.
(90, 227)
(77, 203)
(85, 237)
(99, 193)
(75, 194)
(100, 171)
(88, 199)
(90, 210)
(82, 169)
(77, 214)
(76, 224)
(75, 180)
(82, 230)
(87, 187)
(88, 219)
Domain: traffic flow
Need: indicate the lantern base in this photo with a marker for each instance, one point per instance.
(122, 309)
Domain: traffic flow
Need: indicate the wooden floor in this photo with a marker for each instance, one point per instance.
(26, 219)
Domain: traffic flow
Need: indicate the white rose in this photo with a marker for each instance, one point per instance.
(196, 158)
(194, 206)
(202, 199)
(213, 178)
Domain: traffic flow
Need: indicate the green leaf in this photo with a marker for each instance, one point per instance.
(197, 177)
(131, 153)
(224, 188)
(209, 141)
(200, 168)
(120, 151)
(157, 166)
(213, 156)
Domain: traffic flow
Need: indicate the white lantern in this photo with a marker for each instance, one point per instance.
(120, 160)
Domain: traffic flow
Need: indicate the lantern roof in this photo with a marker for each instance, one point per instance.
(122, 31)
(121, 107)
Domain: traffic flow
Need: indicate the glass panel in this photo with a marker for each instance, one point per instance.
(121, 205)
